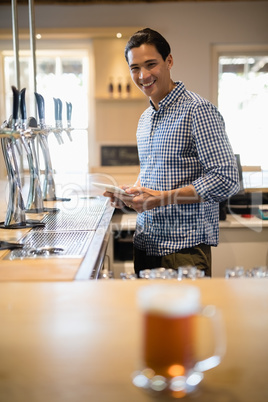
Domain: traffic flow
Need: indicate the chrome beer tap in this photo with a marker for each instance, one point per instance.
(15, 215)
(35, 203)
(69, 128)
(49, 188)
(11, 140)
(16, 209)
(58, 120)
(35, 200)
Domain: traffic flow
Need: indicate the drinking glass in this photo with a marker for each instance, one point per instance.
(190, 273)
(106, 274)
(158, 273)
(236, 272)
(170, 339)
(145, 274)
(258, 272)
(128, 275)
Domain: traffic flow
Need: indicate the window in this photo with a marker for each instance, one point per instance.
(60, 74)
(243, 102)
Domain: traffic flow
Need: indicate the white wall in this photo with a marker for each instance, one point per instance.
(190, 27)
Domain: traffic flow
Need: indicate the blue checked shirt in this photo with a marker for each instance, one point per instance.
(182, 143)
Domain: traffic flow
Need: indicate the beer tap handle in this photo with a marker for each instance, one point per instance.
(69, 109)
(56, 109)
(60, 111)
(15, 112)
(60, 118)
(41, 109)
(58, 124)
(23, 113)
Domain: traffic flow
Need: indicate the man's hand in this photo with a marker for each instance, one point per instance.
(142, 198)
(115, 202)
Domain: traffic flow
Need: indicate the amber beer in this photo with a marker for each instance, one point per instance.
(169, 318)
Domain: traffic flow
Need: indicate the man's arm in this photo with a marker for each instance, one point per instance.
(145, 198)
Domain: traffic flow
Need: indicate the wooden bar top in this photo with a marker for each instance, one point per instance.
(79, 341)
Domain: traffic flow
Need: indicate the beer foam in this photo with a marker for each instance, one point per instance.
(169, 300)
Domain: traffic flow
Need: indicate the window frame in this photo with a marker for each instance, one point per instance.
(230, 50)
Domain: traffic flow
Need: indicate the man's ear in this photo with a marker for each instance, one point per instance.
(169, 61)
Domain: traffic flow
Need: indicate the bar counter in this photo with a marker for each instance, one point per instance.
(82, 223)
(79, 341)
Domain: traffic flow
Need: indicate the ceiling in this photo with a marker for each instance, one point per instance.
(77, 2)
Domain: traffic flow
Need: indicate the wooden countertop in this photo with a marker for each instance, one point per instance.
(79, 341)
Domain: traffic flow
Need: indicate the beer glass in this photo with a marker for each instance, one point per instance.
(169, 339)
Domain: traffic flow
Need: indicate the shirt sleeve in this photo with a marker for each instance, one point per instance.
(221, 178)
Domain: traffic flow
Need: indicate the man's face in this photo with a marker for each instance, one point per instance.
(150, 72)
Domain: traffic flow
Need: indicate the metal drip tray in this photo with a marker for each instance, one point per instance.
(79, 217)
(70, 221)
(44, 244)
(67, 232)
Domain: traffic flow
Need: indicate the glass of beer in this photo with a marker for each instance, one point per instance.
(169, 339)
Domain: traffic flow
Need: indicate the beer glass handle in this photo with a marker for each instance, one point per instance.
(220, 342)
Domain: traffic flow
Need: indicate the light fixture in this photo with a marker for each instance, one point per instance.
(119, 35)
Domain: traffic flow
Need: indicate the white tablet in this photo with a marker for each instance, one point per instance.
(111, 188)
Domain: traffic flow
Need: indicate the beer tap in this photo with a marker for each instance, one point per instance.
(15, 216)
(58, 120)
(15, 114)
(23, 114)
(68, 130)
(49, 188)
(35, 202)
(14, 119)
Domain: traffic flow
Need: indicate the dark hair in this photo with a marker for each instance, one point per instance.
(150, 37)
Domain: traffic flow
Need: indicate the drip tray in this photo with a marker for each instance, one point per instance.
(80, 217)
(67, 232)
(47, 244)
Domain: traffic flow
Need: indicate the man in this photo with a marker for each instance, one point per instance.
(187, 165)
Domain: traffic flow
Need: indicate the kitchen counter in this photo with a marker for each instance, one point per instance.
(79, 341)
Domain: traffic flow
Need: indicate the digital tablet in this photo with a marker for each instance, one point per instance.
(111, 189)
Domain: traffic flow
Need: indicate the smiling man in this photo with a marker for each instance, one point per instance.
(187, 165)
(150, 72)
